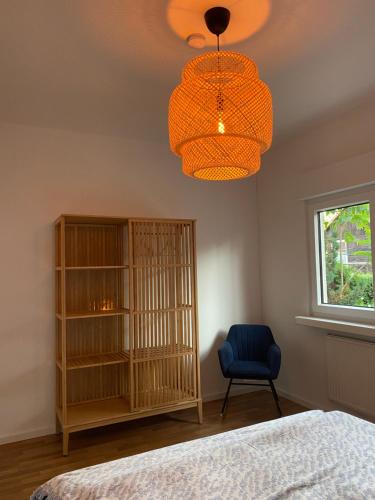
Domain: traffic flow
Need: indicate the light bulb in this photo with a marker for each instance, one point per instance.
(220, 126)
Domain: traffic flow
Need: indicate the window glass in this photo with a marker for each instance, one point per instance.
(346, 256)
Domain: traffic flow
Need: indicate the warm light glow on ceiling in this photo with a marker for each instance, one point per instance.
(247, 17)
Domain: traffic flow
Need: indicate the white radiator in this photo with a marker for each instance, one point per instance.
(351, 373)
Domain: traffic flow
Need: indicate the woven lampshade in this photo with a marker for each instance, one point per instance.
(220, 117)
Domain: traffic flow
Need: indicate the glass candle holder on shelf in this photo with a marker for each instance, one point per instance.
(106, 305)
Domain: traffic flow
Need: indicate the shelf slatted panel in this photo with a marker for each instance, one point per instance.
(161, 352)
(160, 265)
(163, 329)
(111, 358)
(95, 383)
(93, 245)
(94, 314)
(170, 309)
(163, 381)
(162, 396)
(145, 354)
(90, 268)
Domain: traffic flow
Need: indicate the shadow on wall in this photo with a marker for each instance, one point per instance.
(210, 370)
(228, 277)
(228, 293)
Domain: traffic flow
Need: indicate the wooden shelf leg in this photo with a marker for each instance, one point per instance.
(65, 443)
(200, 412)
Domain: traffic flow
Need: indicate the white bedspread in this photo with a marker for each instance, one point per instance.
(310, 455)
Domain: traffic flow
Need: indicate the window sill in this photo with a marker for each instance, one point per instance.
(354, 329)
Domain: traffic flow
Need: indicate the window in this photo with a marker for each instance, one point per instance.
(345, 256)
(342, 232)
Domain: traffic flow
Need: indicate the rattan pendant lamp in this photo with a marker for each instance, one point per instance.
(220, 116)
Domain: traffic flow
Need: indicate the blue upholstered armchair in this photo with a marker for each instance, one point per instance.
(250, 353)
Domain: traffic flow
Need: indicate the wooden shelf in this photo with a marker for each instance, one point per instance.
(144, 266)
(95, 411)
(112, 358)
(94, 220)
(144, 354)
(94, 314)
(169, 309)
(90, 268)
(162, 352)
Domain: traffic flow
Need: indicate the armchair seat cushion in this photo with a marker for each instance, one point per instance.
(249, 370)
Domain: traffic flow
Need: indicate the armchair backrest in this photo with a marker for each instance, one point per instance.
(250, 342)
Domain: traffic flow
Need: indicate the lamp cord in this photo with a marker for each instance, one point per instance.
(218, 54)
(219, 97)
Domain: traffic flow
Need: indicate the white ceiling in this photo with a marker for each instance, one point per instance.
(109, 66)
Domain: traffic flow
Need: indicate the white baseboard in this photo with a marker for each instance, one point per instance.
(330, 406)
(13, 438)
(311, 405)
(45, 431)
(235, 391)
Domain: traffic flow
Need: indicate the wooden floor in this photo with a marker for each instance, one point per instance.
(27, 464)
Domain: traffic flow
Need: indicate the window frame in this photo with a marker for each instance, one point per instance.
(327, 202)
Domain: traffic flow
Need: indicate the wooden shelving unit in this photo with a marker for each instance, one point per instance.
(126, 320)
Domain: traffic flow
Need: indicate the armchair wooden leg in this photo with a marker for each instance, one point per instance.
(225, 403)
(275, 397)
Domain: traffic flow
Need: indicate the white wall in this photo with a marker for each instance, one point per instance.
(45, 173)
(338, 154)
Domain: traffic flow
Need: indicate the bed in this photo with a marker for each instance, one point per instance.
(311, 455)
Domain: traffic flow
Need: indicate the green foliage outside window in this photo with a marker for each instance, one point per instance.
(348, 260)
